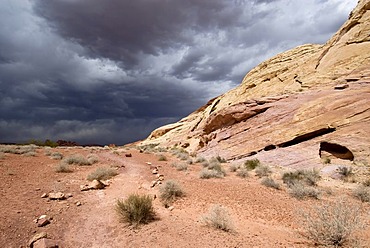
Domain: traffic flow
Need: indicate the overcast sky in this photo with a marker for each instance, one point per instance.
(111, 71)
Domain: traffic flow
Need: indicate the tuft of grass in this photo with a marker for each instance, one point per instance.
(346, 172)
(180, 166)
(92, 158)
(162, 158)
(332, 224)
(29, 154)
(63, 168)
(242, 172)
(301, 191)
(252, 164)
(17, 149)
(218, 217)
(169, 191)
(220, 159)
(200, 160)
(326, 160)
(309, 177)
(263, 171)
(269, 182)
(363, 193)
(56, 155)
(234, 167)
(136, 209)
(77, 159)
(102, 173)
(207, 173)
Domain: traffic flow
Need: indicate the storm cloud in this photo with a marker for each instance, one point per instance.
(111, 71)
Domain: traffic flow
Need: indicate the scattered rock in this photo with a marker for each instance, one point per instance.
(44, 195)
(84, 187)
(153, 184)
(78, 204)
(69, 195)
(57, 196)
(46, 243)
(155, 171)
(341, 86)
(128, 155)
(43, 220)
(171, 208)
(37, 237)
(96, 184)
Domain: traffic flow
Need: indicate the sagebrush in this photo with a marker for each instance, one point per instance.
(218, 217)
(136, 209)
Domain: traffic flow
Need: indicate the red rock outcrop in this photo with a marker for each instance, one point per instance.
(297, 99)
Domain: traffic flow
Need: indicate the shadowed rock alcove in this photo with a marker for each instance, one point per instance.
(336, 150)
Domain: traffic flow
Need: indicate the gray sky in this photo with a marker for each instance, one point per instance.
(111, 71)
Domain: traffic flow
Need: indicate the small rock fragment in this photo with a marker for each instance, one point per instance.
(46, 243)
(128, 155)
(57, 196)
(171, 208)
(154, 183)
(96, 184)
(69, 195)
(84, 187)
(341, 86)
(78, 204)
(43, 221)
(155, 171)
(44, 195)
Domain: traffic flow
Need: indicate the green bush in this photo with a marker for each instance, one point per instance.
(252, 164)
(169, 191)
(269, 182)
(218, 217)
(332, 224)
(102, 173)
(136, 209)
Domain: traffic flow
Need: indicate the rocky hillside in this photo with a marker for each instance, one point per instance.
(294, 108)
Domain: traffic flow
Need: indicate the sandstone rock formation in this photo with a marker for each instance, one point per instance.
(297, 99)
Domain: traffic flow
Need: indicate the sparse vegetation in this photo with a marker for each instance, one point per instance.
(136, 209)
(29, 154)
(301, 191)
(56, 155)
(206, 173)
(269, 182)
(326, 160)
(263, 171)
(92, 158)
(242, 172)
(77, 159)
(362, 192)
(2, 155)
(309, 177)
(169, 191)
(220, 159)
(102, 173)
(332, 224)
(180, 166)
(218, 217)
(30, 149)
(200, 160)
(162, 158)
(346, 172)
(234, 167)
(63, 167)
(251, 164)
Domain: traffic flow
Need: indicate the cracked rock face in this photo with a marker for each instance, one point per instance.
(289, 104)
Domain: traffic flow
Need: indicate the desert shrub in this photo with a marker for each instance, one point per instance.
(92, 158)
(206, 173)
(363, 193)
(169, 191)
(29, 154)
(345, 171)
(366, 183)
(220, 159)
(332, 224)
(309, 177)
(18, 149)
(263, 171)
(189, 161)
(183, 156)
(242, 172)
(269, 182)
(162, 158)
(214, 165)
(234, 167)
(251, 164)
(218, 217)
(136, 209)
(63, 168)
(56, 155)
(205, 164)
(102, 173)
(326, 160)
(200, 160)
(77, 159)
(180, 166)
(300, 191)
(47, 151)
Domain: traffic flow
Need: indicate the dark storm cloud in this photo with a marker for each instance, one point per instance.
(111, 71)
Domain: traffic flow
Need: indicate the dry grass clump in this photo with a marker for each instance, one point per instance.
(362, 192)
(308, 177)
(56, 155)
(13, 149)
(29, 154)
(200, 160)
(234, 167)
(180, 166)
(218, 217)
(346, 172)
(263, 170)
(136, 209)
(77, 159)
(169, 191)
(242, 172)
(213, 169)
(63, 168)
(92, 158)
(332, 224)
(300, 191)
(252, 164)
(102, 173)
(269, 182)
(162, 158)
